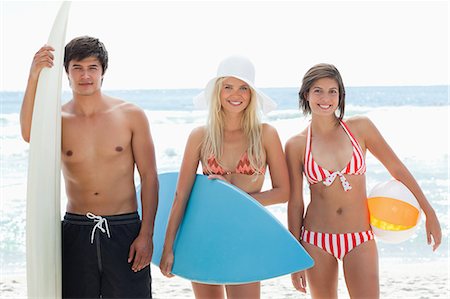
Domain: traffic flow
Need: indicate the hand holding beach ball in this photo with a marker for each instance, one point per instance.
(394, 211)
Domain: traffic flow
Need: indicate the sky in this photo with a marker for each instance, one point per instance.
(179, 44)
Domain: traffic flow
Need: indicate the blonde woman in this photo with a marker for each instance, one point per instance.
(330, 152)
(235, 147)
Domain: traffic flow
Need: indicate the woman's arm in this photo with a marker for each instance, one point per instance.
(186, 180)
(278, 170)
(295, 203)
(294, 149)
(378, 146)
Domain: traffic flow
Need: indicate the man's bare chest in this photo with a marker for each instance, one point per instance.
(94, 141)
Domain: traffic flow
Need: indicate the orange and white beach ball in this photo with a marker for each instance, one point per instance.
(394, 211)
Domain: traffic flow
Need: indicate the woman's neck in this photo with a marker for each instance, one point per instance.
(233, 122)
(324, 124)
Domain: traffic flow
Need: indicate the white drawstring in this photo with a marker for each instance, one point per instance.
(100, 220)
(330, 179)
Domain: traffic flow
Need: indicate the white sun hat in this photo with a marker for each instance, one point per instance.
(241, 68)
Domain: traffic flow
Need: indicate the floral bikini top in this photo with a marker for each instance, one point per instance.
(315, 173)
(243, 166)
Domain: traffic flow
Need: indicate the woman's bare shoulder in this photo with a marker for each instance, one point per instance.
(297, 141)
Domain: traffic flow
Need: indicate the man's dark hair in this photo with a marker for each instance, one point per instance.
(85, 46)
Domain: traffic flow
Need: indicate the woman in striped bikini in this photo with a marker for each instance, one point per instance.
(235, 147)
(331, 155)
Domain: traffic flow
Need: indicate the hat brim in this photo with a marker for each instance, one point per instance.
(202, 100)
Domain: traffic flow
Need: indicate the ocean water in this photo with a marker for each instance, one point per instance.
(414, 121)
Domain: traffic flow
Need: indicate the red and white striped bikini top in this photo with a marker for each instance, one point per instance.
(243, 166)
(315, 173)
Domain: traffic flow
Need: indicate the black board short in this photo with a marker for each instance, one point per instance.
(95, 258)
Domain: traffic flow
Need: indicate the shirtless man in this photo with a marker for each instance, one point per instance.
(106, 248)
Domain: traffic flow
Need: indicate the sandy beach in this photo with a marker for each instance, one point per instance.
(398, 279)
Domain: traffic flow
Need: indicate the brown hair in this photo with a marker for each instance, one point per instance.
(319, 71)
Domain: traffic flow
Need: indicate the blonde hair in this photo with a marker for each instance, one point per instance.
(250, 123)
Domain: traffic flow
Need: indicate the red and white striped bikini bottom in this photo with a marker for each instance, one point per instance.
(337, 245)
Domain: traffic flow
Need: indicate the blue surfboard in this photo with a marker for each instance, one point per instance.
(226, 236)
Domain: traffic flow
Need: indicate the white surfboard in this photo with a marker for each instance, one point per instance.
(43, 222)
